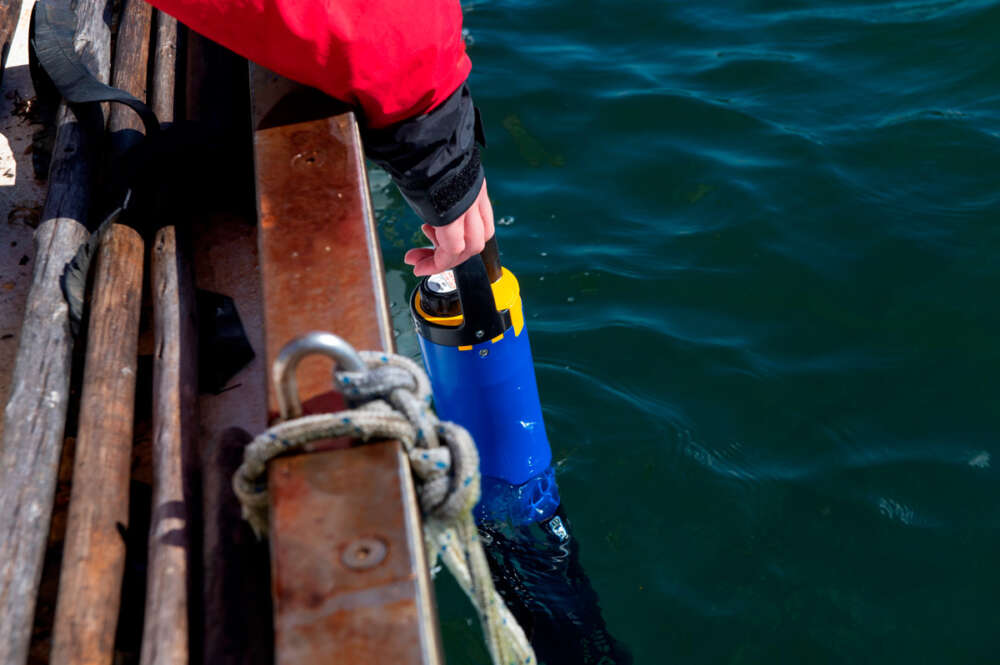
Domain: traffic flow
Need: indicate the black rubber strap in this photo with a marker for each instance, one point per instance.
(53, 27)
(52, 33)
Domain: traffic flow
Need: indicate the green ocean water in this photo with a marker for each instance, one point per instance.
(757, 243)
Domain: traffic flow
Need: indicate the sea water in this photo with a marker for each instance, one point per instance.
(758, 247)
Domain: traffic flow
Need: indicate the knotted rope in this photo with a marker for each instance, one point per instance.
(393, 400)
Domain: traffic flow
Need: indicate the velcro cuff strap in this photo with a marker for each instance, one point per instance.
(452, 196)
(433, 158)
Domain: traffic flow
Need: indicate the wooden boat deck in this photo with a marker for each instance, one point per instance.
(21, 196)
(229, 578)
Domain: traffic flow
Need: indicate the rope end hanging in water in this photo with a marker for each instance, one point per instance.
(392, 398)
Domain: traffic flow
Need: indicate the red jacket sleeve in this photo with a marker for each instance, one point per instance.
(392, 59)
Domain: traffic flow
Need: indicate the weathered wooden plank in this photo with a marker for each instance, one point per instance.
(235, 601)
(237, 594)
(330, 608)
(215, 83)
(235, 588)
(231, 623)
(94, 550)
(318, 240)
(322, 270)
(35, 415)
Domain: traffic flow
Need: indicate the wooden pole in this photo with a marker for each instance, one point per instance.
(130, 72)
(165, 68)
(175, 394)
(94, 551)
(35, 416)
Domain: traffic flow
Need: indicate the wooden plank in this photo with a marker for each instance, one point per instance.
(231, 623)
(94, 550)
(35, 415)
(322, 270)
(237, 592)
(235, 607)
(318, 240)
(328, 607)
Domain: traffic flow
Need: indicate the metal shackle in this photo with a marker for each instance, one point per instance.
(286, 387)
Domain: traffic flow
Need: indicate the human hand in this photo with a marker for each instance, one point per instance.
(454, 242)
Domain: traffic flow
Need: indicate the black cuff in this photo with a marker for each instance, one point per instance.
(433, 158)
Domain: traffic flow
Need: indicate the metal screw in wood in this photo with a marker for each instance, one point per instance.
(364, 553)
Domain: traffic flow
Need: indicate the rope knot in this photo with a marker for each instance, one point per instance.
(449, 474)
(378, 381)
(391, 399)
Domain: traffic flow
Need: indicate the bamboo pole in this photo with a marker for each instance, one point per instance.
(94, 551)
(35, 415)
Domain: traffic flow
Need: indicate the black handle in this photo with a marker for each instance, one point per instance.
(474, 278)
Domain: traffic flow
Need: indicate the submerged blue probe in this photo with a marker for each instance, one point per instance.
(470, 324)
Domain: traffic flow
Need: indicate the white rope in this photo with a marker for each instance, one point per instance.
(394, 396)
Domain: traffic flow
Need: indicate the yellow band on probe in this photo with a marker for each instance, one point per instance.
(506, 293)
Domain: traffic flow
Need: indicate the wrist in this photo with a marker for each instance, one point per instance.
(434, 158)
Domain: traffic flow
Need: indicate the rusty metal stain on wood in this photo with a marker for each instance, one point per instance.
(319, 255)
(322, 270)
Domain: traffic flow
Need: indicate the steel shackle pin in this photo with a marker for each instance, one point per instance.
(286, 387)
